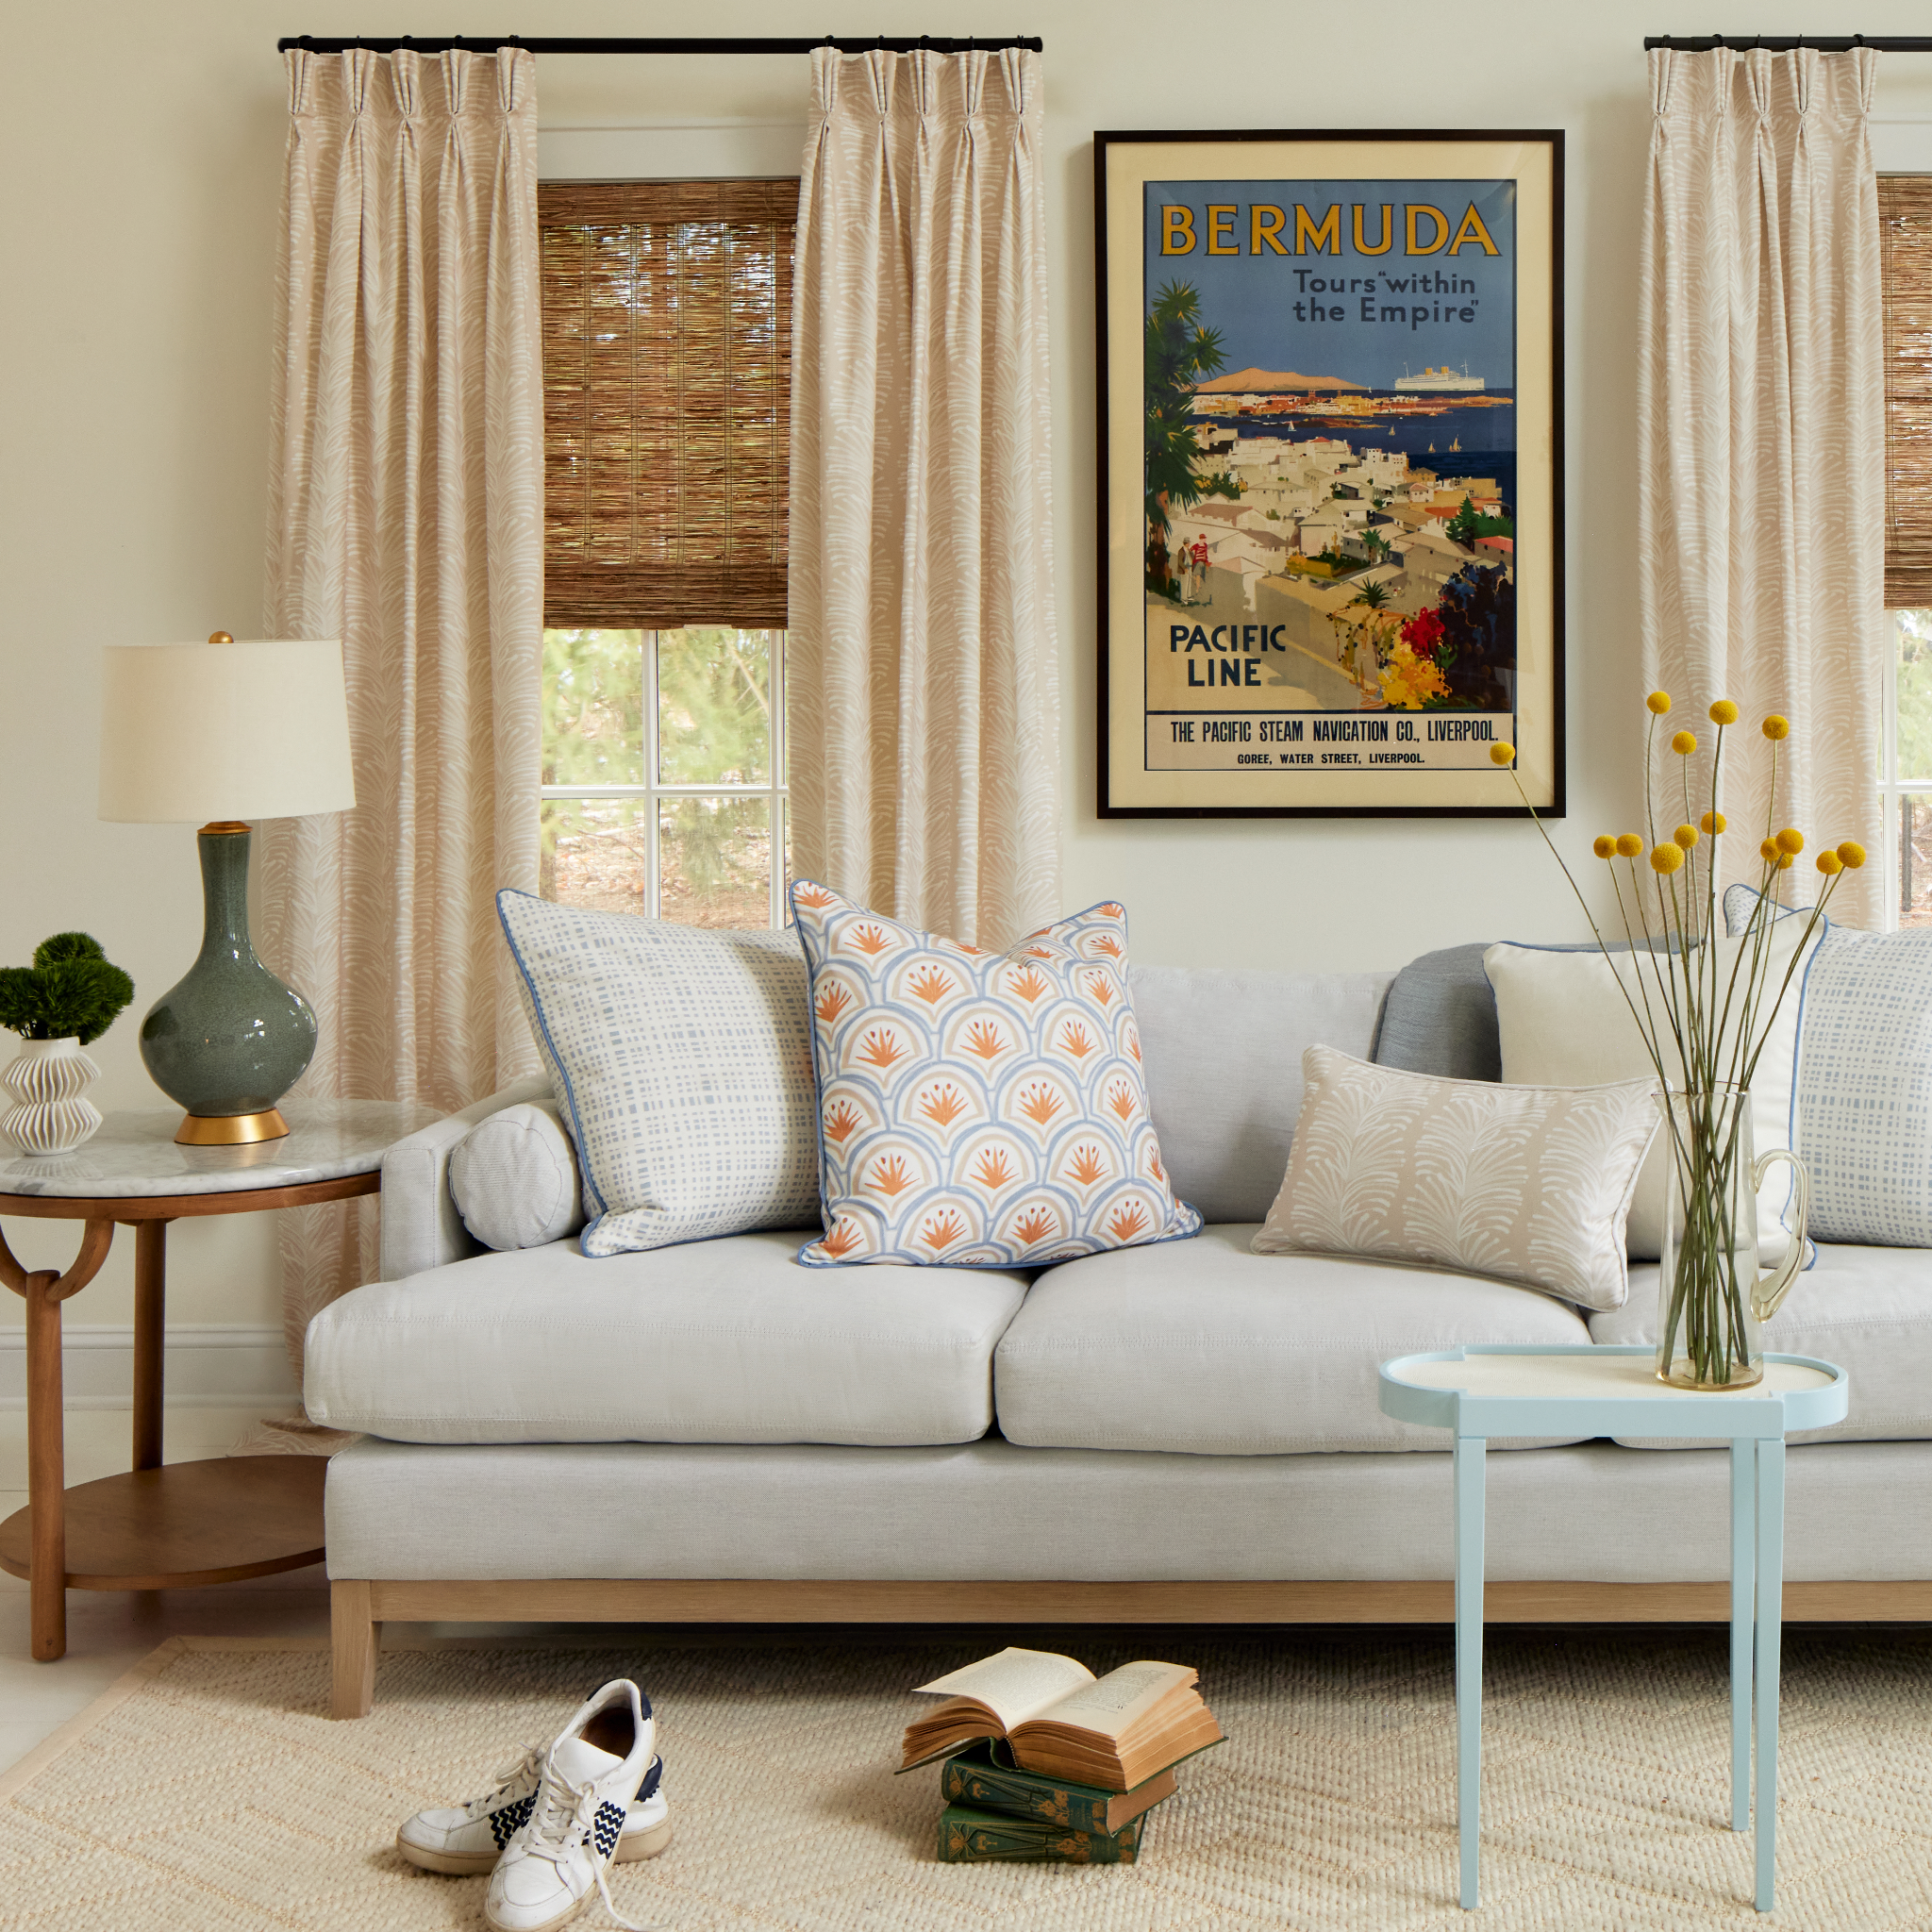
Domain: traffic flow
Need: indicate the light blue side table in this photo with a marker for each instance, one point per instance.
(1588, 1391)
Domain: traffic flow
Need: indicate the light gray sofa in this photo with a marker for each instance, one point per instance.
(1183, 1433)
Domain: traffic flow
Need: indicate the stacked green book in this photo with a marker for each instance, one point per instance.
(973, 1837)
(996, 1812)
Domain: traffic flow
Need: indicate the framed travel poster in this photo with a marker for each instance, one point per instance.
(1331, 473)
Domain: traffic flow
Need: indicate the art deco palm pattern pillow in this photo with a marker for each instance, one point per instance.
(680, 1061)
(1528, 1184)
(980, 1110)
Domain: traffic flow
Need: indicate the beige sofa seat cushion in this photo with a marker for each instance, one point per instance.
(1204, 1348)
(726, 1341)
(1867, 1310)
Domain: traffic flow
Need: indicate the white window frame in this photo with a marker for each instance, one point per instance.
(651, 795)
(1894, 786)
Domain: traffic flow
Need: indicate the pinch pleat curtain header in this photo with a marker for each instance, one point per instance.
(1761, 405)
(923, 664)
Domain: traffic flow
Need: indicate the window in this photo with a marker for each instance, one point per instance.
(1905, 221)
(663, 772)
(666, 389)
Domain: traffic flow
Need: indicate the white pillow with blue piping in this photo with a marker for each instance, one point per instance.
(1564, 1021)
(1863, 1100)
(682, 1062)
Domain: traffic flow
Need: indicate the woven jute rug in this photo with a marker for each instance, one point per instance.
(208, 1791)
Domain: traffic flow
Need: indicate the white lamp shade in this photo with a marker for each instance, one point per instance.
(192, 733)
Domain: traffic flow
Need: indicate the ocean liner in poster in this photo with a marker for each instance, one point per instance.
(1332, 518)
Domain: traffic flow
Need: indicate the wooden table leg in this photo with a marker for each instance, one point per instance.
(45, 1292)
(150, 1338)
(46, 1477)
(1469, 1658)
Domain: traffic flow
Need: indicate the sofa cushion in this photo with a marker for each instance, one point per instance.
(709, 1341)
(1222, 1051)
(1528, 1184)
(513, 1177)
(1208, 1348)
(1867, 1310)
(680, 1058)
(978, 1109)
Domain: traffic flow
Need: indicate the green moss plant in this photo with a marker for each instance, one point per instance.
(70, 991)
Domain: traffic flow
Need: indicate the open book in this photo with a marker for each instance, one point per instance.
(1060, 1719)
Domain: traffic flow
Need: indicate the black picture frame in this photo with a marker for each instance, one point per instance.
(1392, 775)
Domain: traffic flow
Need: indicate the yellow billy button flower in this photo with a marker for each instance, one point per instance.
(1829, 862)
(1723, 712)
(1851, 855)
(1629, 845)
(1605, 847)
(1666, 859)
(1659, 702)
(1791, 842)
(1713, 822)
(1783, 861)
(1768, 851)
(1683, 743)
(1502, 752)
(1685, 836)
(1776, 728)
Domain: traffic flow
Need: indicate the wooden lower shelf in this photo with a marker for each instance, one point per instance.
(184, 1525)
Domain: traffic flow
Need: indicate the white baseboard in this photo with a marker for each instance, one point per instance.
(217, 1365)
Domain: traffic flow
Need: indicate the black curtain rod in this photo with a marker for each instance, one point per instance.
(488, 43)
(1786, 44)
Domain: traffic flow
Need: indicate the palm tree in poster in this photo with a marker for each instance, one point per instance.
(1180, 351)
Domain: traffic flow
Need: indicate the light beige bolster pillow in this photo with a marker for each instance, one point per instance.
(514, 1178)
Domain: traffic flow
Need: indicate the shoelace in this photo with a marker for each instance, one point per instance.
(528, 1769)
(557, 1828)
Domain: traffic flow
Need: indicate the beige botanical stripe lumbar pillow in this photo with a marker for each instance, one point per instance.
(1528, 1184)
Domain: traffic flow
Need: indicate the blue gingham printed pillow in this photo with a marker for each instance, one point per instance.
(1862, 1102)
(681, 1060)
(978, 1109)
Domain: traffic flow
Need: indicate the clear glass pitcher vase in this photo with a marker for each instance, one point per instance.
(1712, 1298)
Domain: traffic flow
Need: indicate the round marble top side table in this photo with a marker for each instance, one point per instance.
(195, 1523)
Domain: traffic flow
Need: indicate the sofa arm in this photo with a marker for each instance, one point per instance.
(421, 1228)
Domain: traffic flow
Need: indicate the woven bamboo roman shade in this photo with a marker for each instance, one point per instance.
(667, 401)
(1904, 223)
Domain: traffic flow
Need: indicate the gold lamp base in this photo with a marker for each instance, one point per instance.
(230, 1129)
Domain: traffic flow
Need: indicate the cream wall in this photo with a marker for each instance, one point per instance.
(141, 149)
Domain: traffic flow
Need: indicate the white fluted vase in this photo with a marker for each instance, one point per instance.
(49, 1081)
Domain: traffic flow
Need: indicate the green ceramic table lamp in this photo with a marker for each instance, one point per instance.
(214, 735)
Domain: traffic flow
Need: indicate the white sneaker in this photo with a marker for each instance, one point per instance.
(589, 1778)
(469, 1839)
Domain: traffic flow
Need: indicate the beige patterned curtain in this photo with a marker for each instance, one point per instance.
(925, 698)
(406, 518)
(1760, 396)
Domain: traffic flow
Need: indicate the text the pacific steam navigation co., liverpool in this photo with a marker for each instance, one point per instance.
(1180, 740)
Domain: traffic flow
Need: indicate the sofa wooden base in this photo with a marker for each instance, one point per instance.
(359, 1607)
